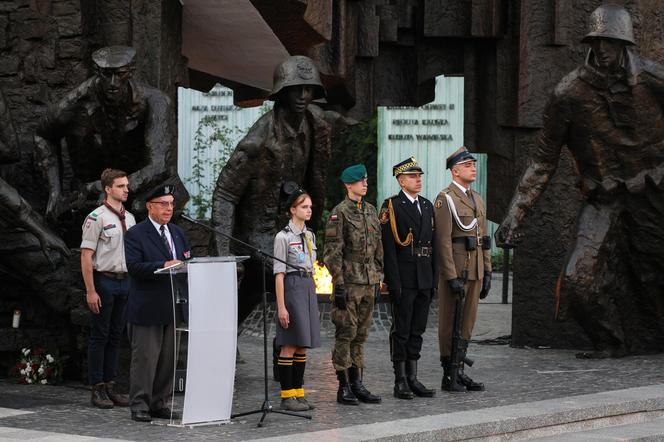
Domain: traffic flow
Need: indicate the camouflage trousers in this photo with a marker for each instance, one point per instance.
(352, 326)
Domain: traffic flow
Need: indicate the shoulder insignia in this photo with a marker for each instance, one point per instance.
(438, 204)
(93, 215)
(286, 229)
(384, 217)
(334, 217)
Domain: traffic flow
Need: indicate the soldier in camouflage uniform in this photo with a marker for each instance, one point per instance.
(354, 257)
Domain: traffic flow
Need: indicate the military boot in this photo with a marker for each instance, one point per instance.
(401, 388)
(415, 385)
(467, 382)
(344, 393)
(99, 397)
(449, 384)
(358, 388)
(118, 399)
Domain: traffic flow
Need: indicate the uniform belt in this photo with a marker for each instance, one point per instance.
(352, 257)
(462, 240)
(423, 251)
(301, 274)
(114, 275)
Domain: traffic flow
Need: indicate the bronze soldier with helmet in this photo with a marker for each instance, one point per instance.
(609, 114)
(289, 144)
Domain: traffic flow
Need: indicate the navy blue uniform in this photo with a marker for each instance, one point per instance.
(409, 272)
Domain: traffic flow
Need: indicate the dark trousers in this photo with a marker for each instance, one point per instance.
(106, 328)
(409, 321)
(152, 365)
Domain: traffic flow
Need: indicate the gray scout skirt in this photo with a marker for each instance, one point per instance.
(302, 305)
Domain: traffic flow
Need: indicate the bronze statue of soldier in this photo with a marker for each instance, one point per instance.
(610, 114)
(289, 144)
(30, 252)
(109, 121)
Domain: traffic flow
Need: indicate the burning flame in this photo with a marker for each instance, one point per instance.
(323, 279)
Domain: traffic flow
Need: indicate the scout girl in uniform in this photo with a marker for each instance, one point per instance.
(298, 326)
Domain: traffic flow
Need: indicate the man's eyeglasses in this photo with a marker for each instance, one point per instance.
(164, 204)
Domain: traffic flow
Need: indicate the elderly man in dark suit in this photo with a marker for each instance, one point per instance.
(150, 245)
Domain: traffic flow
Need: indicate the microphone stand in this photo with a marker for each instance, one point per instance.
(266, 407)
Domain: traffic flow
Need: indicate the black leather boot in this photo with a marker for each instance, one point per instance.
(415, 385)
(401, 388)
(449, 384)
(358, 388)
(344, 393)
(467, 382)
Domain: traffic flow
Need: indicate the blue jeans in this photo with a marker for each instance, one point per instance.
(106, 328)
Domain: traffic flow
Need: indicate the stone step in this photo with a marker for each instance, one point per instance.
(555, 419)
(649, 430)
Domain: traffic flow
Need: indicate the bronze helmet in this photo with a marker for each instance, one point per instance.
(610, 21)
(294, 71)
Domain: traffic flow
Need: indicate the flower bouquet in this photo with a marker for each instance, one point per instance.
(37, 367)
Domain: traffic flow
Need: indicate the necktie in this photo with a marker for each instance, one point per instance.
(416, 203)
(469, 194)
(167, 243)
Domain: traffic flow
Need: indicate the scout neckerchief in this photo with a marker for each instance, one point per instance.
(305, 240)
(120, 214)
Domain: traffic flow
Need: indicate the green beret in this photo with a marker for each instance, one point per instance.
(353, 174)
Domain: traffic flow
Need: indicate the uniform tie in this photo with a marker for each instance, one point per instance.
(167, 243)
(416, 203)
(469, 194)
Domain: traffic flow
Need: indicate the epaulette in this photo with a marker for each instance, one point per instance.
(286, 229)
(310, 229)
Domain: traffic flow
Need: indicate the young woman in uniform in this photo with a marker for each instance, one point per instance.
(298, 325)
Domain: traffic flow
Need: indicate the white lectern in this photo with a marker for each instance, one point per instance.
(212, 328)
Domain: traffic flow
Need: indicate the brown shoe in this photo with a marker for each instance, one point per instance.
(302, 400)
(99, 397)
(118, 399)
(292, 404)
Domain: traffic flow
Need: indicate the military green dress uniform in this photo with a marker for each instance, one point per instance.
(354, 256)
(458, 216)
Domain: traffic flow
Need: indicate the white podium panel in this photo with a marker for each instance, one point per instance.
(212, 342)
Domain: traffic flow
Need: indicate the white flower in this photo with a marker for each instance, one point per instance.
(29, 381)
(26, 351)
(28, 369)
(41, 370)
(22, 371)
(44, 381)
(50, 358)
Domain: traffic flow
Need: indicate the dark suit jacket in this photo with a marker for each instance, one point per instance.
(150, 298)
(404, 269)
